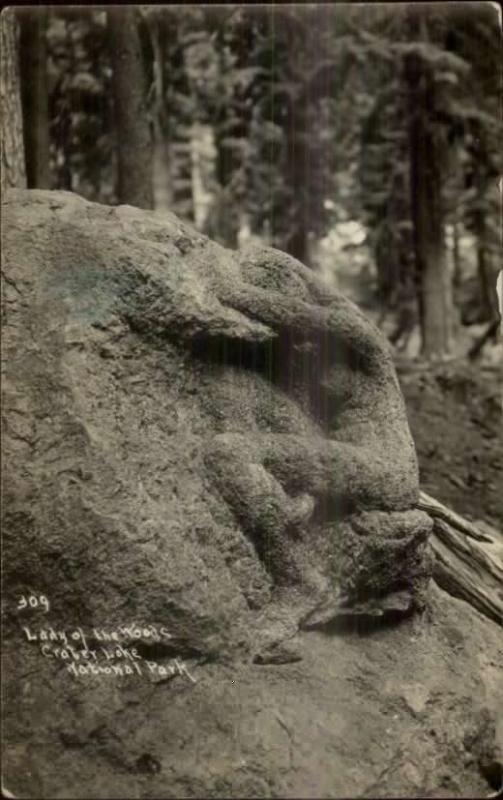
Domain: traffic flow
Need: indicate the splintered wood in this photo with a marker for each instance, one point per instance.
(468, 558)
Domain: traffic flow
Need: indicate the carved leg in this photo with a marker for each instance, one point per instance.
(258, 500)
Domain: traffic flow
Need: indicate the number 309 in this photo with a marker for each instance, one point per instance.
(33, 601)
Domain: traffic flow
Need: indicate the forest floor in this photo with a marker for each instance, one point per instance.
(455, 416)
(405, 710)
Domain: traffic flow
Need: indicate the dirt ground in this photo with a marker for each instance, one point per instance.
(348, 719)
(455, 415)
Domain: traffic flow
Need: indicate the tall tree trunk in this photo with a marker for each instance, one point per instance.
(180, 139)
(34, 94)
(161, 182)
(456, 256)
(486, 273)
(134, 140)
(226, 212)
(432, 273)
(11, 118)
(296, 242)
(181, 171)
(487, 280)
(203, 172)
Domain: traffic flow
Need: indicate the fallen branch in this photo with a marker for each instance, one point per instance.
(468, 560)
(479, 343)
(438, 511)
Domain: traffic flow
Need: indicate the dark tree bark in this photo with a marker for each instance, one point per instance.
(487, 276)
(181, 172)
(134, 139)
(180, 135)
(224, 216)
(161, 181)
(34, 95)
(485, 270)
(456, 257)
(296, 242)
(13, 159)
(432, 275)
(491, 332)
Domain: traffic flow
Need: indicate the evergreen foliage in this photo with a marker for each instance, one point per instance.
(310, 112)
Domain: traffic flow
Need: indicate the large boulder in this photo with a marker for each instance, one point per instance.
(202, 442)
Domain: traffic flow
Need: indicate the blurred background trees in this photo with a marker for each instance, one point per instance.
(365, 140)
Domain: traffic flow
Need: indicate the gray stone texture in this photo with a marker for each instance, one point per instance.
(194, 435)
(215, 442)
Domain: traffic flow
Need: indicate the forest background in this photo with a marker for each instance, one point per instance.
(364, 139)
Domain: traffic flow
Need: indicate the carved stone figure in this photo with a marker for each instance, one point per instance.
(196, 433)
(206, 453)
